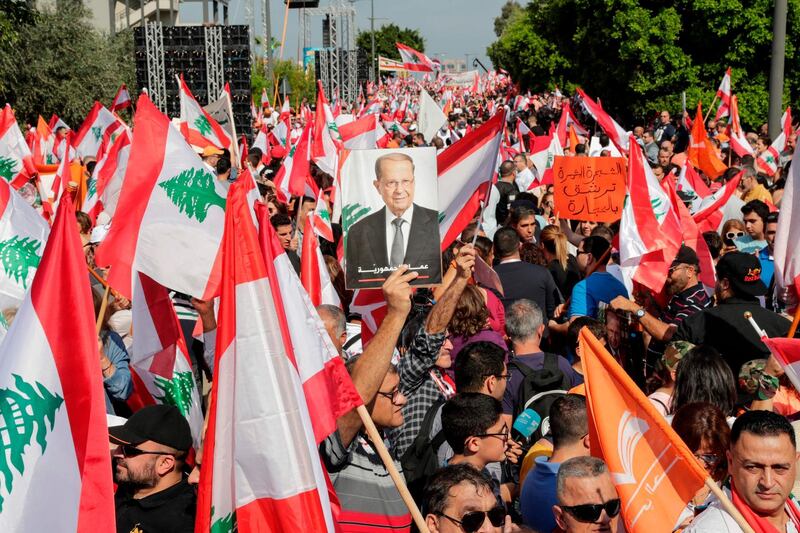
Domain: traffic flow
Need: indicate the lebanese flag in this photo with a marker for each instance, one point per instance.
(702, 153)
(724, 95)
(197, 126)
(322, 219)
(98, 126)
(121, 100)
(787, 353)
(171, 213)
(466, 170)
(42, 148)
(284, 124)
(261, 468)
(615, 132)
(294, 176)
(769, 159)
(649, 461)
(327, 141)
(371, 306)
(709, 218)
(16, 160)
(23, 233)
(738, 141)
(543, 160)
(787, 252)
(262, 142)
(57, 473)
(264, 99)
(365, 133)
(414, 60)
(650, 230)
(102, 193)
(568, 119)
(690, 182)
(313, 270)
(160, 360)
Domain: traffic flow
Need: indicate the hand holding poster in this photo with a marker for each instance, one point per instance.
(589, 188)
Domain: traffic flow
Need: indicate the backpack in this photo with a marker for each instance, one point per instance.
(539, 389)
(419, 461)
(506, 190)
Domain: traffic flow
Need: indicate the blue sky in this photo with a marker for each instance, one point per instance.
(451, 28)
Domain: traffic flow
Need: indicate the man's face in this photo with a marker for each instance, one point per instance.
(519, 162)
(747, 183)
(678, 278)
(582, 491)
(760, 145)
(667, 147)
(387, 409)
(284, 235)
(663, 158)
(772, 229)
(445, 360)
(763, 469)
(462, 499)
(584, 258)
(526, 228)
(658, 172)
(664, 117)
(754, 225)
(493, 445)
(396, 185)
(211, 160)
(139, 471)
(647, 137)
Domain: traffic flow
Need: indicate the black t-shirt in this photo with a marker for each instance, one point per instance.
(169, 511)
(508, 192)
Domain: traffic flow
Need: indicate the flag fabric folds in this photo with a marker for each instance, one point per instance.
(313, 270)
(16, 160)
(615, 132)
(121, 100)
(787, 251)
(724, 95)
(414, 60)
(98, 126)
(197, 126)
(701, 152)
(430, 117)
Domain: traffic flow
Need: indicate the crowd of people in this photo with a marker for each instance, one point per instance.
(477, 385)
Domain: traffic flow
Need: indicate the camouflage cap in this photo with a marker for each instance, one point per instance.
(674, 352)
(750, 375)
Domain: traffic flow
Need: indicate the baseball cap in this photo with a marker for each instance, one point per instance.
(208, 151)
(686, 256)
(161, 423)
(743, 272)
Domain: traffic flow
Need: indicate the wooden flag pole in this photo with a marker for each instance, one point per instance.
(795, 323)
(399, 482)
(103, 307)
(705, 119)
(728, 505)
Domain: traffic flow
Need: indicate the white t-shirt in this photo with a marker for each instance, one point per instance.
(716, 520)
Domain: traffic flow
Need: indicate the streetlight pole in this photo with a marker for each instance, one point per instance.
(268, 44)
(372, 38)
(776, 67)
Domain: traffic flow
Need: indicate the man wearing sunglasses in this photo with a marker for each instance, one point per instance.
(587, 498)
(153, 493)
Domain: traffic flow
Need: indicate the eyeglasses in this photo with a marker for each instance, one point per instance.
(392, 395)
(710, 460)
(590, 512)
(473, 520)
(676, 267)
(734, 234)
(579, 252)
(502, 435)
(132, 451)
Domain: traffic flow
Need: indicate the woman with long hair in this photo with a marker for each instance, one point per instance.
(562, 265)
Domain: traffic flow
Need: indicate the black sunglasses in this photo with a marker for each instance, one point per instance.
(590, 512)
(133, 451)
(472, 521)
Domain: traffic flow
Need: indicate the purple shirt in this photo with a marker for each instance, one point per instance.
(536, 362)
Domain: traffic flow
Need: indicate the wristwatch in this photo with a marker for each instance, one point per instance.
(640, 313)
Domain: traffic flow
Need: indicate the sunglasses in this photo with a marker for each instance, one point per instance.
(734, 234)
(710, 460)
(132, 451)
(472, 521)
(590, 512)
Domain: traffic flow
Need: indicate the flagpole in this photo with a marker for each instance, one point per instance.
(103, 306)
(795, 323)
(380, 447)
(705, 119)
(234, 141)
(728, 505)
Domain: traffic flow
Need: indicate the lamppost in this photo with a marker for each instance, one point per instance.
(776, 67)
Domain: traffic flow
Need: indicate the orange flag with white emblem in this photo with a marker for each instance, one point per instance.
(654, 472)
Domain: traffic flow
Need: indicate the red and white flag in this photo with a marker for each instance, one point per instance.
(650, 230)
(709, 217)
(466, 171)
(568, 119)
(543, 160)
(98, 126)
(615, 132)
(322, 218)
(724, 95)
(414, 60)
(261, 468)
(738, 141)
(197, 125)
(160, 364)
(102, 192)
(313, 270)
(327, 141)
(769, 159)
(690, 182)
(56, 466)
(787, 251)
(787, 353)
(264, 99)
(16, 160)
(365, 133)
(294, 176)
(370, 304)
(284, 125)
(168, 223)
(121, 100)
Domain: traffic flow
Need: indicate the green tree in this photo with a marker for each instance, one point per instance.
(61, 64)
(386, 39)
(638, 55)
(509, 9)
(301, 82)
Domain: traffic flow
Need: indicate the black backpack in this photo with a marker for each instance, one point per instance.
(419, 461)
(507, 190)
(539, 389)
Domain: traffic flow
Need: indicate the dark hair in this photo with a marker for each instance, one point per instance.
(506, 242)
(518, 213)
(580, 148)
(533, 254)
(601, 230)
(468, 414)
(763, 424)
(573, 331)
(483, 245)
(597, 246)
(714, 243)
(758, 207)
(90, 166)
(568, 419)
(279, 219)
(437, 490)
(470, 314)
(255, 155)
(772, 218)
(475, 362)
(507, 168)
(701, 423)
(703, 376)
(223, 165)
(84, 221)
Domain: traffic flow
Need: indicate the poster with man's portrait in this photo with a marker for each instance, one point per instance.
(390, 216)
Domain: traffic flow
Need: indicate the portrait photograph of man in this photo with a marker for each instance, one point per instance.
(389, 216)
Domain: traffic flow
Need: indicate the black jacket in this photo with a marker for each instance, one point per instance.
(533, 282)
(169, 511)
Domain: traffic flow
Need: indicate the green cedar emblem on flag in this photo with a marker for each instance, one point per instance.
(441, 216)
(17, 256)
(177, 391)
(203, 125)
(91, 188)
(226, 524)
(192, 191)
(8, 168)
(97, 132)
(23, 413)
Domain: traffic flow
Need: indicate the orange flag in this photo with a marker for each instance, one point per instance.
(653, 470)
(573, 138)
(702, 153)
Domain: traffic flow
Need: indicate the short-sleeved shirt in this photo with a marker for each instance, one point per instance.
(172, 509)
(535, 361)
(368, 497)
(599, 287)
(681, 306)
(538, 495)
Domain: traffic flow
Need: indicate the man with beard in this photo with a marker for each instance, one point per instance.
(153, 494)
(687, 297)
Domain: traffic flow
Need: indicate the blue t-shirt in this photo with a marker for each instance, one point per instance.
(538, 495)
(767, 265)
(588, 293)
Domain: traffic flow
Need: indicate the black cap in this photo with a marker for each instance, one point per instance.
(686, 256)
(743, 272)
(163, 424)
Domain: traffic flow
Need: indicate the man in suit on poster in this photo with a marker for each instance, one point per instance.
(401, 232)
